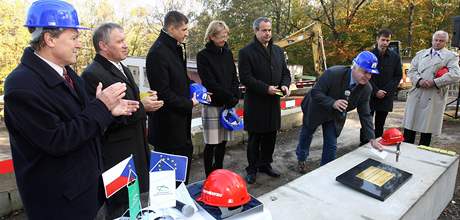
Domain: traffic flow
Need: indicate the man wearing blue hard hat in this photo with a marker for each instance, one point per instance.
(339, 90)
(54, 126)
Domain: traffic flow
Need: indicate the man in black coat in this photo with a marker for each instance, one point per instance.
(54, 126)
(384, 84)
(170, 126)
(126, 134)
(338, 90)
(263, 70)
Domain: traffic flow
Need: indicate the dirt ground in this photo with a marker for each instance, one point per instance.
(285, 160)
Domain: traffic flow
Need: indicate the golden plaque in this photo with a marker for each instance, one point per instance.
(375, 176)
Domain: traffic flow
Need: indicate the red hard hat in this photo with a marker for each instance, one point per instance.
(224, 188)
(391, 136)
(441, 72)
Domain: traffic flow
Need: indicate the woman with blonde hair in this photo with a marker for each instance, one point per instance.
(218, 74)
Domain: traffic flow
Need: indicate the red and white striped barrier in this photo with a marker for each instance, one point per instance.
(6, 166)
(283, 105)
(291, 103)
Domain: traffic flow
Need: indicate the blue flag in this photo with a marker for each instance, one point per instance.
(162, 161)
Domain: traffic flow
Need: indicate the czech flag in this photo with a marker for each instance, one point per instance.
(119, 176)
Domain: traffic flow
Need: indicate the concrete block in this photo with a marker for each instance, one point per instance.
(5, 204)
(316, 194)
(15, 199)
(7, 182)
(291, 118)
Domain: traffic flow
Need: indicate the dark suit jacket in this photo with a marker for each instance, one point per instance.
(126, 134)
(169, 127)
(390, 74)
(317, 105)
(54, 135)
(258, 70)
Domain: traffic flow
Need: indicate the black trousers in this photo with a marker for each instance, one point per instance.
(409, 137)
(260, 150)
(213, 157)
(379, 124)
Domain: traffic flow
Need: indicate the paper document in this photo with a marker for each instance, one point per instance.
(183, 196)
(380, 154)
(162, 192)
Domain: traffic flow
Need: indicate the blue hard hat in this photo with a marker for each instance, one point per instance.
(367, 61)
(230, 120)
(52, 14)
(200, 91)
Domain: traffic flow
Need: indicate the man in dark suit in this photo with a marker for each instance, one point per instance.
(263, 70)
(126, 134)
(338, 90)
(54, 126)
(170, 126)
(384, 84)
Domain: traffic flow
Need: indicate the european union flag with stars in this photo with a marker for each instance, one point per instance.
(163, 161)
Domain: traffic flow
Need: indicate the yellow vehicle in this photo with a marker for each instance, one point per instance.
(313, 33)
(405, 81)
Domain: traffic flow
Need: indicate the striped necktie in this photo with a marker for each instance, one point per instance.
(68, 80)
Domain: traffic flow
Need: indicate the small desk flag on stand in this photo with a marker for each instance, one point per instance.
(119, 176)
(134, 200)
(163, 162)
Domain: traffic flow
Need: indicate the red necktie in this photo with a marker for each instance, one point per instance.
(68, 79)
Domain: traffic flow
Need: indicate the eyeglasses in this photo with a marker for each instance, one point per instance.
(221, 36)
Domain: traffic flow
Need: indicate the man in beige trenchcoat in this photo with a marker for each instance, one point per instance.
(426, 99)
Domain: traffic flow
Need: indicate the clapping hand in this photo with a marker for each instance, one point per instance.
(151, 102)
(112, 99)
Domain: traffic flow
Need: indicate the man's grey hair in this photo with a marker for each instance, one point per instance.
(441, 32)
(37, 40)
(102, 33)
(354, 65)
(257, 22)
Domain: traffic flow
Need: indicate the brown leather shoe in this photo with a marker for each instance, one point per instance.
(302, 165)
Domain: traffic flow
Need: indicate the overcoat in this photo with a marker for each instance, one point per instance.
(55, 140)
(126, 134)
(425, 107)
(390, 73)
(218, 74)
(169, 127)
(259, 68)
